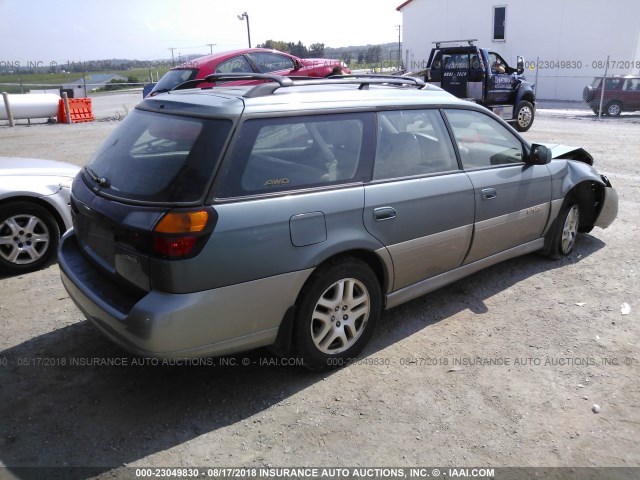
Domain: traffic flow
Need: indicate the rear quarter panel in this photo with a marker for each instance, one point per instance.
(260, 238)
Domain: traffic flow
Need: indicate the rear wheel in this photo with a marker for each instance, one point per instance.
(336, 314)
(29, 236)
(613, 109)
(561, 237)
(523, 116)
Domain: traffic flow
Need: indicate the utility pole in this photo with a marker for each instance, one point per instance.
(173, 64)
(211, 45)
(399, 27)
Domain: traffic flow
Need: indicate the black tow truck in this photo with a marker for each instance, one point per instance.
(482, 76)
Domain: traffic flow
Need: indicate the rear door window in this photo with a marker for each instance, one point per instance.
(272, 62)
(277, 154)
(412, 142)
(612, 83)
(158, 158)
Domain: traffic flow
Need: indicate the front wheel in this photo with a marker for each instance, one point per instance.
(561, 237)
(524, 116)
(336, 314)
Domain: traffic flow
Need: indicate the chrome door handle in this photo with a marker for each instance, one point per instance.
(489, 193)
(384, 213)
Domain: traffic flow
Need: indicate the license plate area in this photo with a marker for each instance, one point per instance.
(97, 237)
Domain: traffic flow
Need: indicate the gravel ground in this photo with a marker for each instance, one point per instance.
(503, 368)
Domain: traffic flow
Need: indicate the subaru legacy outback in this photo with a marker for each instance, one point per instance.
(292, 213)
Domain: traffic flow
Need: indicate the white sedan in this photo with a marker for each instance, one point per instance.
(34, 211)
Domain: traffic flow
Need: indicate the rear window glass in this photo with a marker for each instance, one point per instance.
(296, 152)
(174, 78)
(459, 61)
(235, 65)
(161, 158)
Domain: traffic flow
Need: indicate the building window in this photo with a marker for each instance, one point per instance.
(499, 23)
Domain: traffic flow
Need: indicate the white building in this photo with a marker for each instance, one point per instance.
(565, 43)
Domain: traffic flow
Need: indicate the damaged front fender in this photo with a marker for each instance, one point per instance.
(565, 152)
(573, 175)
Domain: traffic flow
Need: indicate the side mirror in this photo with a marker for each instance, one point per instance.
(520, 65)
(539, 155)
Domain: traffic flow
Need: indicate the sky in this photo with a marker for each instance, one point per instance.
(58, 31)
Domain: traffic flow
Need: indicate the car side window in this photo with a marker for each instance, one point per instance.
(497, 63)
(235, 65)
(412, 142)
(290, 153)
(272, 62)
(612, 83)
(632, 85)
(483, 141)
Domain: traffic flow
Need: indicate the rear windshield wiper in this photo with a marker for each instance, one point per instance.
(101, 181)
(159, 91)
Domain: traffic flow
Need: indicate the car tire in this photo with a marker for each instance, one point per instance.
(613, 109)
(596, 110)
(29, 237)
(561, 237)
(336, 313)
(523, 116)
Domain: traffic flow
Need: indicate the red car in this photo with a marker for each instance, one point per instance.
(621, 94)
(252, 60)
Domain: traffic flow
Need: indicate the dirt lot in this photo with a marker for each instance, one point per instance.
(500, 369)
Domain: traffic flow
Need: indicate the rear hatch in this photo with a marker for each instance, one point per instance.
(141, 199)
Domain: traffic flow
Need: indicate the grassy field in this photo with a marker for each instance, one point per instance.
(38, 81)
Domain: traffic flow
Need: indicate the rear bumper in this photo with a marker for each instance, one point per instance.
(213, 322)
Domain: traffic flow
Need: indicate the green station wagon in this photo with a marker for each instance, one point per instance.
(292, 213)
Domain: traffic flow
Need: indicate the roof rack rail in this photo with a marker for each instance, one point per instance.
(468, 40)
(362, 80)
(275, 82)
(392, 79)
(280, 80)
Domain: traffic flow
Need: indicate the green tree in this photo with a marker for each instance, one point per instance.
(299, 50)
(276, 45)
(316, 50)
(373, 54)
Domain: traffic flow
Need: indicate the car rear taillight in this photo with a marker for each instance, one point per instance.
(179, 233)
(183, 222)
(173, 247)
